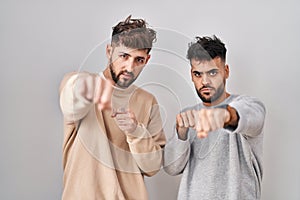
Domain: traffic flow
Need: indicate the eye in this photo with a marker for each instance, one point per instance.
(213, 72)
(197, 74)
(124, 56)
(140, 60)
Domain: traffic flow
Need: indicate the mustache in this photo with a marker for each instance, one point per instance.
(126, 73)
(206, 87)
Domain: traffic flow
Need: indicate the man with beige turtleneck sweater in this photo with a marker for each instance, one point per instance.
(113, 129)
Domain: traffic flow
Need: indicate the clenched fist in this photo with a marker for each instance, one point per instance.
(203, 121)
(94, 89)
(125, 119)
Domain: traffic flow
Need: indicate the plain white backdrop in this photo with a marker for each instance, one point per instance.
(42, 40)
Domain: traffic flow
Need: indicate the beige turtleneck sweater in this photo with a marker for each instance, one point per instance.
(99, 160)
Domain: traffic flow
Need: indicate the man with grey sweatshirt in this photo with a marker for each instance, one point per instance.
(217, 145)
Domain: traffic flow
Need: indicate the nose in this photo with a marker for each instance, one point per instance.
(129, 65)
(205, 79)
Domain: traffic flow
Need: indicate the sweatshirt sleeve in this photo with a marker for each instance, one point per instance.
(176, 154)
(74, 107)
(146, 143)
(251, 113)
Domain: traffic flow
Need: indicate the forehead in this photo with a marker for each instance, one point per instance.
(206, 65)
(130, 51)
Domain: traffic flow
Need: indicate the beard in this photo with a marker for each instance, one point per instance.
(218, 93)
(122, 83)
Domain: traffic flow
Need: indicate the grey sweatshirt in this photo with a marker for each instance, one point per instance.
(227, 165)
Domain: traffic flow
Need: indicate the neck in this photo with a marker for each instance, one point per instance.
(217, 101)
(107, 74)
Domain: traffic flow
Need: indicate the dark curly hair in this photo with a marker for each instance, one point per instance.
(133, 33)
(206, 48)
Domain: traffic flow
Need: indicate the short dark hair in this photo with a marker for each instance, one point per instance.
(206, 48)
(133, 33)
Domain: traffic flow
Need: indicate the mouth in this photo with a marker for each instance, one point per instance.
(126, 76)
(206, 91)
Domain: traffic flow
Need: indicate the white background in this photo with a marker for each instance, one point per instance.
(42, 40)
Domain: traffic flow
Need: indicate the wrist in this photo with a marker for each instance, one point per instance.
(182, 133)
(232, 123)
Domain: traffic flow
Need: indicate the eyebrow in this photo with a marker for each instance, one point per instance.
(124, 53)
(215, 69)
(128, 54)
(140, 57)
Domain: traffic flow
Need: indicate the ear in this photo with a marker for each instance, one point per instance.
(108, 51)
(226, 68)
(191, 71)
(148, 58)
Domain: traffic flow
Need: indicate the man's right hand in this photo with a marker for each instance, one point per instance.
(203, 121)
(184, 121)
(94, 89)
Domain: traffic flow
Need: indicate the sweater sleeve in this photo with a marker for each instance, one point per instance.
(146, 143)
(74, 107)
(176, 154)
(251, 113)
